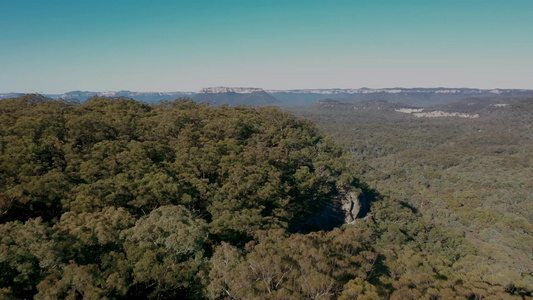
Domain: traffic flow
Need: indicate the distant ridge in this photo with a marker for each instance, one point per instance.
(419, 97)
(411, 96)
(235, 96)
(237, 90)
(396, 90)
(149, 97)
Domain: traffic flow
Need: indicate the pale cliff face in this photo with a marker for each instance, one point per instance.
(391, 91)
(237, 90)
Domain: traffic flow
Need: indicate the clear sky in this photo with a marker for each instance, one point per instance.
(53, 46)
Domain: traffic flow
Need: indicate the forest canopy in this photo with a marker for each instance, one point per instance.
(113, 198)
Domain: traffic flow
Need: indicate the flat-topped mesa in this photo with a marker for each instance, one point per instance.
(237, 90)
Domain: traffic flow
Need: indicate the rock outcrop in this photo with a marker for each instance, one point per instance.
(344, 208)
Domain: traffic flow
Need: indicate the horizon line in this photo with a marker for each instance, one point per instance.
(280, 90)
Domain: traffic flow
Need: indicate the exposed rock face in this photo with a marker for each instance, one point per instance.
(350, 205)
(222, 89)
(345, 208)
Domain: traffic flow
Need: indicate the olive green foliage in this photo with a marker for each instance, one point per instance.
(281, 266)
(468, 178)
(114, 198)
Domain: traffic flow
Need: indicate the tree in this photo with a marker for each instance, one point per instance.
(165, 250)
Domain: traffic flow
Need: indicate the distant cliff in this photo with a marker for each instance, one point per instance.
(235, 96)
(422, 97)
(419, 97)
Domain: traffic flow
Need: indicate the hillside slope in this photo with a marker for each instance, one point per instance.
(114, 198)
(466, 174)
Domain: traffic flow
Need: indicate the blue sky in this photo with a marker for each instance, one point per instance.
(53, 46)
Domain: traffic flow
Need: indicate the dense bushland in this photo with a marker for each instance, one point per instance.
(113, 198)
(472, 176)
